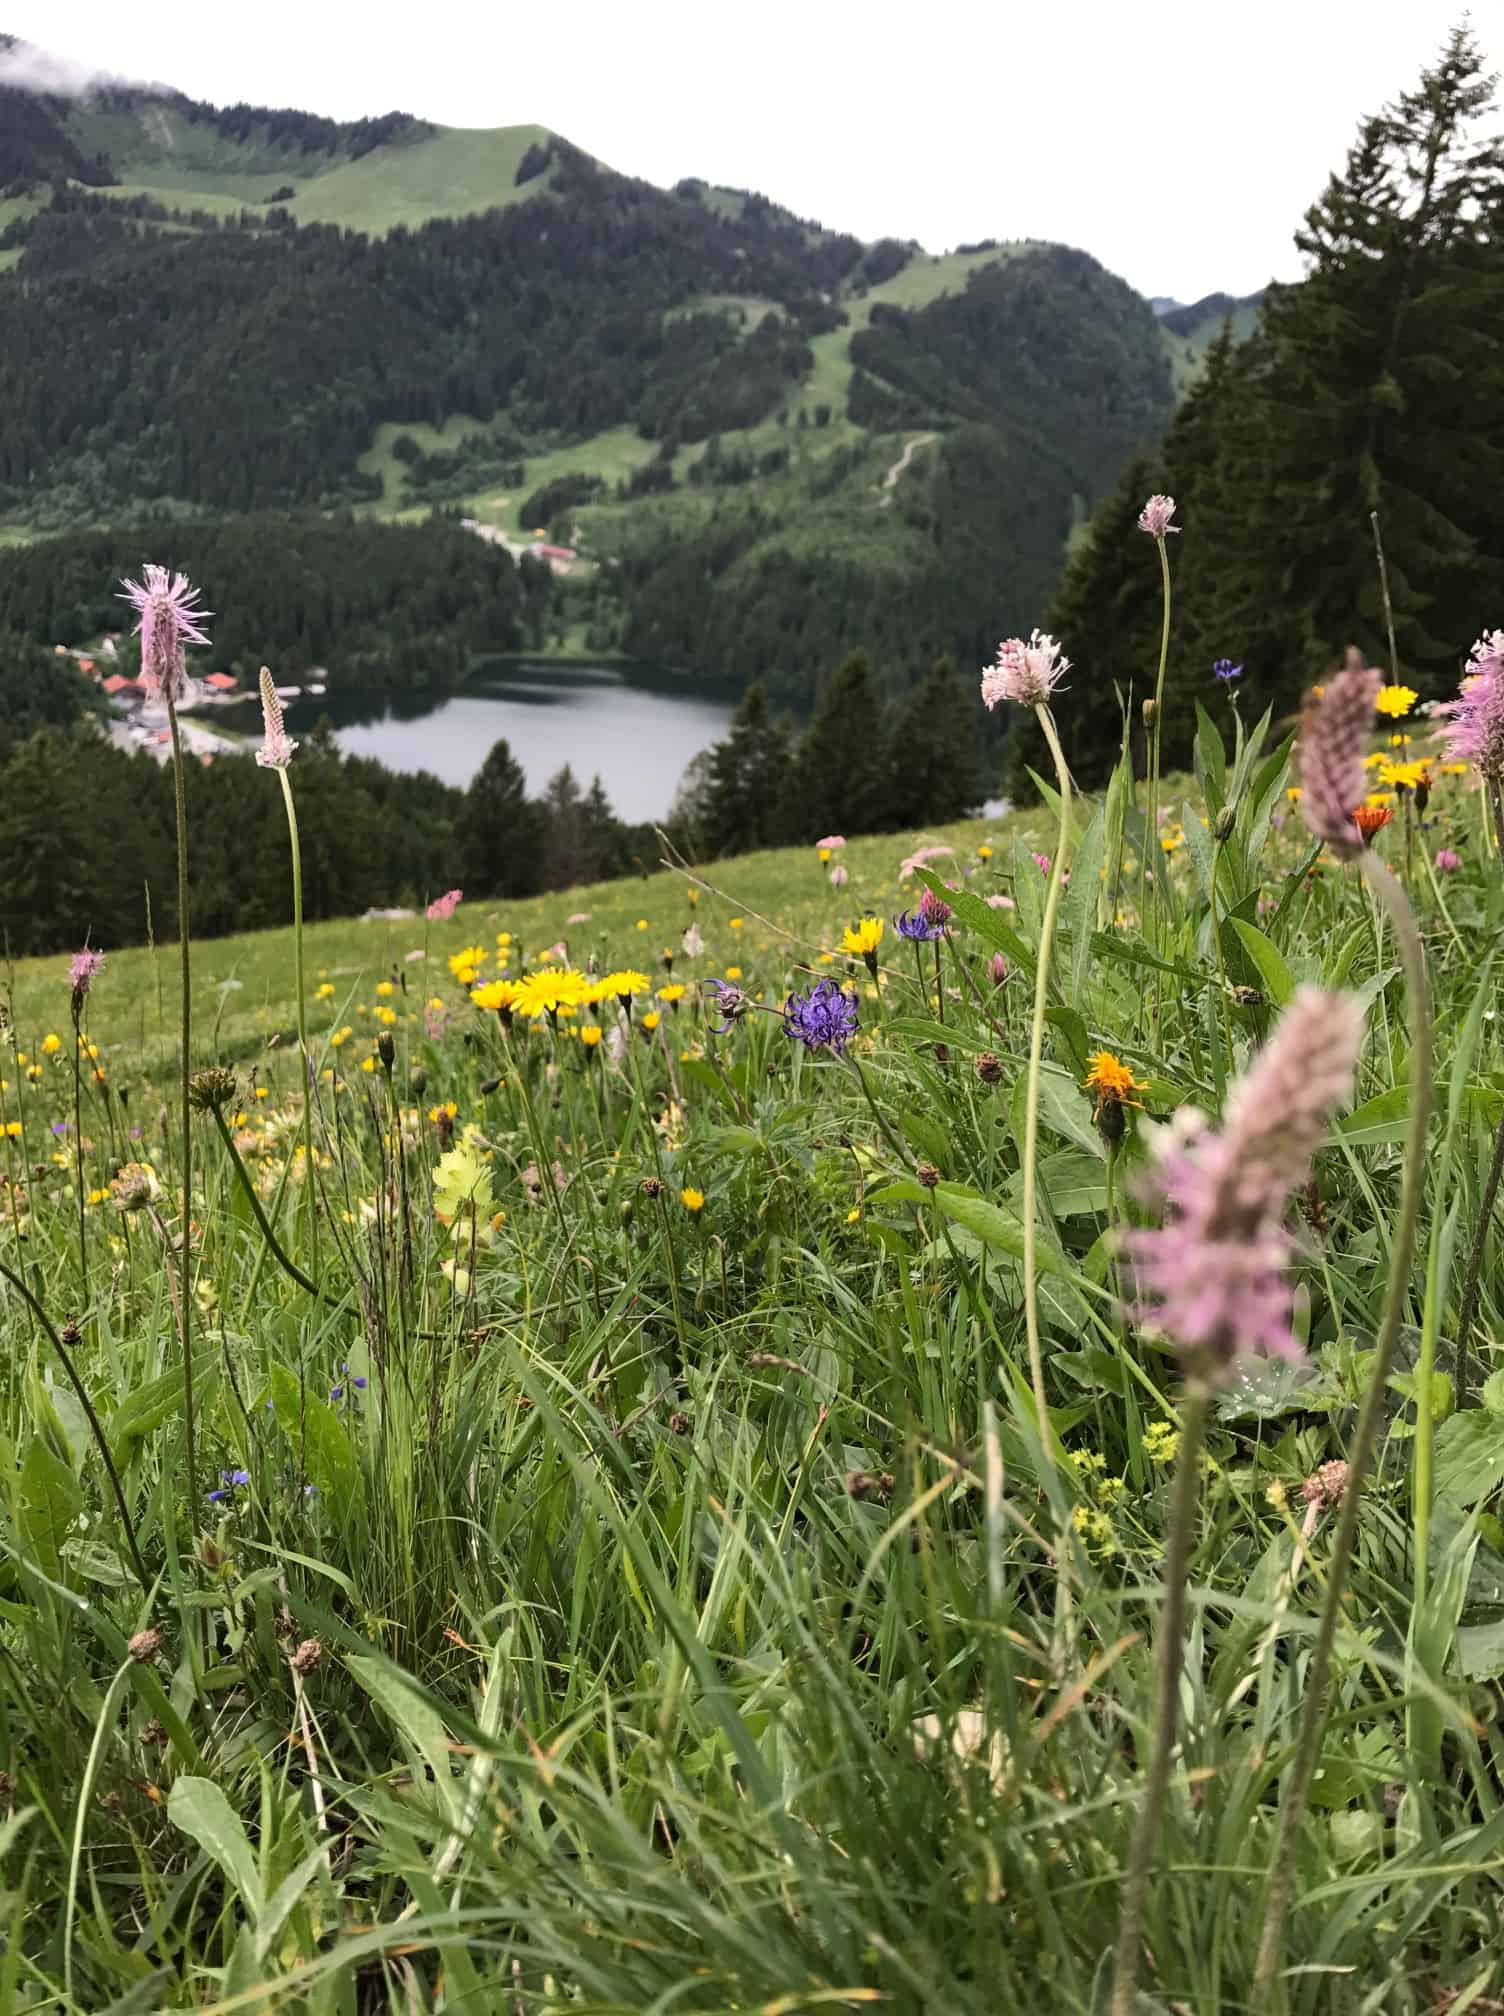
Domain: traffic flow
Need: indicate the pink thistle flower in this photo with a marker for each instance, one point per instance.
(277, 746)
(1041, 862)
(997, 966)
(168, 615)
(83, 969)
(1026, 673)
(832, 841)
(442, 908)
(1473, 723)
(1332, 735)
(1448, 861)
(1156, 515)
(1001, 903)
(1213, 1275)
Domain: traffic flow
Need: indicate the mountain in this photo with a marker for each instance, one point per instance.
(769, 440)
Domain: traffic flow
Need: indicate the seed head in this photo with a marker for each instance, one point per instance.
(927, 1175)
(1332, 734)
(277, 747)
(145, 1646)
(307, 1656)
(212, 1089)
(168, 615)
(989, 1068)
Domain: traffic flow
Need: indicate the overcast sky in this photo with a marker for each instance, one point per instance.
(1178, 144)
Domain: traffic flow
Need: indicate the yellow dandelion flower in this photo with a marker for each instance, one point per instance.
(491, 994)
(736, 923)
(324, 992)
(642, 923)
(651, 1020)
(671, 994)
(864, 937)
(1399, 741)
(1112, 1081)
(591, 1034)
(368, 1063)
(549, 993)
(51, 1044)
(621, 985)
(386, 1017)
(1292, 792)
(733, 972)
(1395, 701)
(1454, 769)
(692, 1199)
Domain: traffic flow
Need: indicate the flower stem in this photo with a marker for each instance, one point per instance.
(185, 1319)
(258, 1211)
(78, 1156)
(297, 945)
(1180, 1543)
(95, 1429)
(1031, 1110)
(1151, 834)
(1401, 1253)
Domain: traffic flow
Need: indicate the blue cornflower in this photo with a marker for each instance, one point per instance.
(823, 1019)
(1225, 670)
(732, 1002)
(229, 1481)
(338, 1392)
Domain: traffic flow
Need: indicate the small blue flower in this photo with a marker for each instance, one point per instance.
(1225, 670)
(914, 924)
(230, 1481)
(823, 1019)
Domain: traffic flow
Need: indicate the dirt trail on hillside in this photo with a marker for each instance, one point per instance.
(910, 448)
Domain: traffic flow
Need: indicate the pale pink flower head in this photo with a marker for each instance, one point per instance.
(442, 908)
(277, 746)
(1448, 861)
(1001, 903)
(832, 841)
(1213, 1276)
(997, 966)
(1333, 732)
(1025, 673)
(577, 917)
(919, 857)
(1473, 723)
(1041, 862)
(839, 876)
(168, 616)
(1156, 515)
(83, 968)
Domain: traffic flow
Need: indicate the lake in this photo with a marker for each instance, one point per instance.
(633, 725)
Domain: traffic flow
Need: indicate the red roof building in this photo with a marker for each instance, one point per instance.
(118, 683)
(221, 682)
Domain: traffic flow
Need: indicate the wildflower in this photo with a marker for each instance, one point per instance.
(997, 969)
(984, 852)
(1112, 1081)
(1161, 1441)
(1325, 1486)
(1395, 701)
(385, 989)
(989, 1068)
(145, 1646)
(498, 994)
(83, 969)
(1225, 670)
(442, 908)
(920, 857)
(276, 750)
(927, 922)
(642, 923)
(168, 615)
(1025, 673)
(1406, 776)
(1213, 1273)
(671, 994)
(134, 1187)
(692, 1199)
(549, 993)
(591, 1035)
(368, 1063)
(926, 1175)
(448, 1111)
(1447, 861)
(324, 991)
(230, 1482)
(1042, 862)
(1473, 723)
(339, 1037)
(863, 938)
(1156, 515)
(831, 843)
(307, 1656)
(839, 877)
(651, 1020)
(621, 986)
(731, 1001)
(733, 972)
(51, 1044)
(1332, 734)
(1371, 819)
(824, 1018)
(692, 943)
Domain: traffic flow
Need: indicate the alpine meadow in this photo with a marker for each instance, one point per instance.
(862, 1395)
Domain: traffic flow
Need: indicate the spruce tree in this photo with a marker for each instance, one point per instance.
(501, 841)
(748, 773)
(934, 763)
(838, 783)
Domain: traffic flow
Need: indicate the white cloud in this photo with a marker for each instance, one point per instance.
(26, 68)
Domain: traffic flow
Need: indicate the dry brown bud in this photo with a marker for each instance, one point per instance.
(307, 1656)
(145, 1646)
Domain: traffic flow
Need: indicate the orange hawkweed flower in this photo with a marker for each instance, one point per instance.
(1371, 819)
(1112, 1081)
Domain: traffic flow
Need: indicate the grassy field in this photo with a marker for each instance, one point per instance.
(627, 1499)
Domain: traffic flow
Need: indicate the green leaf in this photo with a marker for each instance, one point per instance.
(1210, 762)
(1199, 846)
(1469, 1456)
(416, 1719)
(1480, 1650)
(1075, 1183)
(199, 1808)
(314, 1429)
(143, 1410)
(1081, 905)
(1385, 1117)
(51, 1503)
(1279, 981)
(978, 916)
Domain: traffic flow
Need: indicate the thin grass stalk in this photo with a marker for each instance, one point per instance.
(1031, 1109)
(304, 1053)
(185, 1317)
(65, 1358)
(1151, 834)
(78, 1154)
(1283, 1869)
(1180, 1545)
(1474, 1281)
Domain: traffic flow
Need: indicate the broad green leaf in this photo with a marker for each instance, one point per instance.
(1074, 1182)
(313, 1427)
(1480, 1650)
(980, 917)
(419, 1723)
(144, 1410)
(1210, 762)
(1066, 1109)
(51, 1503)
(1385, 1117)
(1279, 981)
(1199, 846)
(199, 1808)
(1080, 908)
(1469, 1456)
